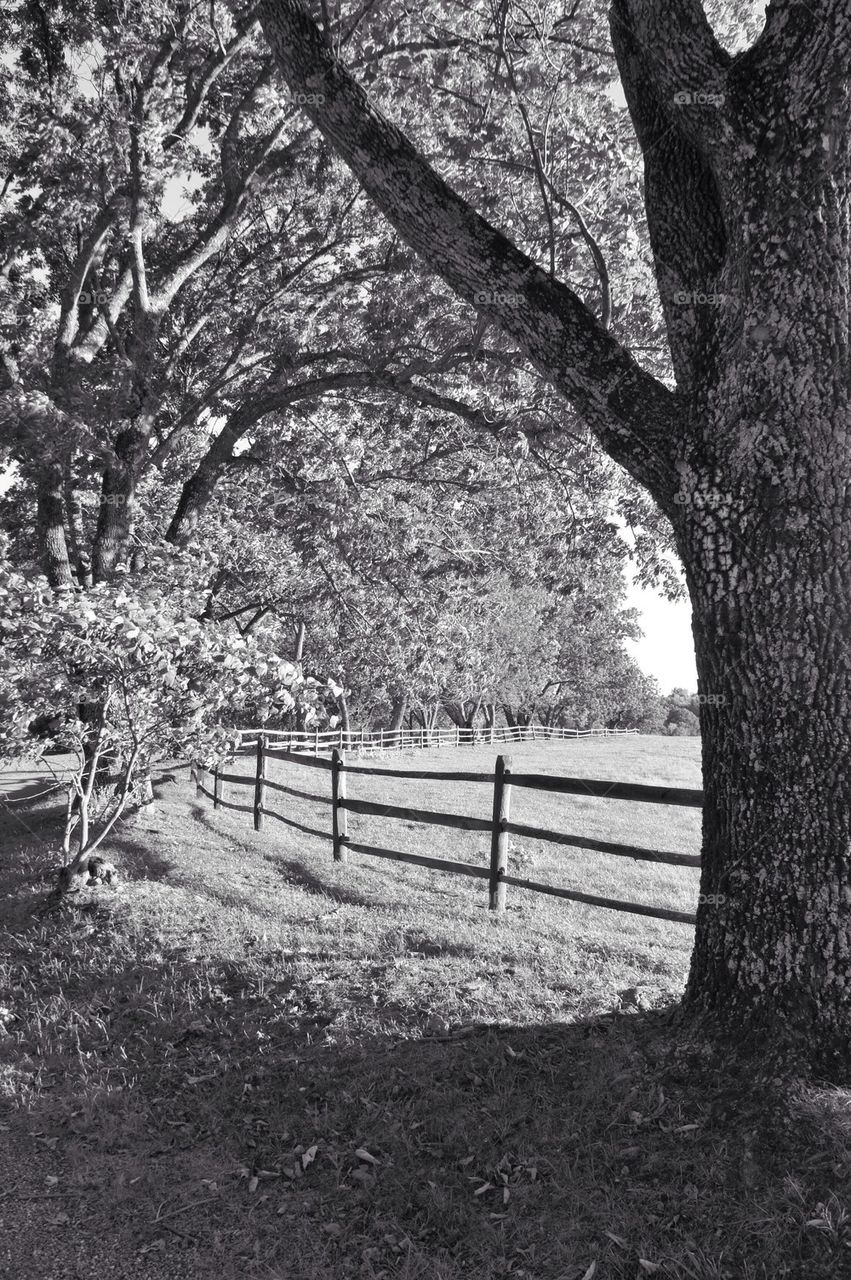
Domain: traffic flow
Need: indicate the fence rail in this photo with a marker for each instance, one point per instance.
(500, 827)
(365, 741)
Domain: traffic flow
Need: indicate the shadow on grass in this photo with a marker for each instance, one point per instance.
(280, 1116)
(139, 861)
(293, 871)
(258, 1113)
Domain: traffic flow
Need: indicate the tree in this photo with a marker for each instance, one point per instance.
(746, 178)
(682, 713)
(160, 683)
(187, 278)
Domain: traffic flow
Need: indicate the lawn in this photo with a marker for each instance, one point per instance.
(572, 958)
(253, 1061)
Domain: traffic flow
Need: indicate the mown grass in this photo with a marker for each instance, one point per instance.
(203, 1059)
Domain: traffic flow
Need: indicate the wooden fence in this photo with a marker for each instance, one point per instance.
(499, 826)
(375, 740)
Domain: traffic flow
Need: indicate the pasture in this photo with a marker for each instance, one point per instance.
(253, 1061)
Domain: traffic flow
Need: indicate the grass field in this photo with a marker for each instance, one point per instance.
(568, 962)
(252, 1061)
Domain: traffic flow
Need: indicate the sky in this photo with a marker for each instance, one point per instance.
(666, 650)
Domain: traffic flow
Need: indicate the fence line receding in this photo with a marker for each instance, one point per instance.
(499, 825)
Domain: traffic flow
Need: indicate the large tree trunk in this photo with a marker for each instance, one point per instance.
(773, 941)
(766, 553)
(763, 523)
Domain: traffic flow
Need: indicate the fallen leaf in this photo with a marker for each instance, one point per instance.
(649, 1267)
(480, 1191)
(363, 1154)
(619, 1240)
(252, 1183)
(308, 1156)
(591, 1272)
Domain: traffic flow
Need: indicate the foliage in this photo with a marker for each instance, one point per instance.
(131, 674)
(682, 711)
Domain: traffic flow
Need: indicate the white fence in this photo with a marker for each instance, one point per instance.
(376, 740)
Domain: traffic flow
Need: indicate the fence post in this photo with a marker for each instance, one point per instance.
(499, 836)
(381, 739)
(260, 783)
(217, 786)
(316, 741)
(361, 740)
(457, 735)
(338, 812)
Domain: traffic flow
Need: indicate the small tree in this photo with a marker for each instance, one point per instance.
(131, 672)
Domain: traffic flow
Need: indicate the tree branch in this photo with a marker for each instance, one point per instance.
(814, 39)
(682, 203)
(688, 67)
(636, 418)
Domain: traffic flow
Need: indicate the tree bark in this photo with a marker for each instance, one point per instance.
(773, 939)
(51, 528)
(117, 513)
(198, 489)
(397, 714)
(301, 633)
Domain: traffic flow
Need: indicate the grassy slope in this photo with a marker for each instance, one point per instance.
(244, 1000)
